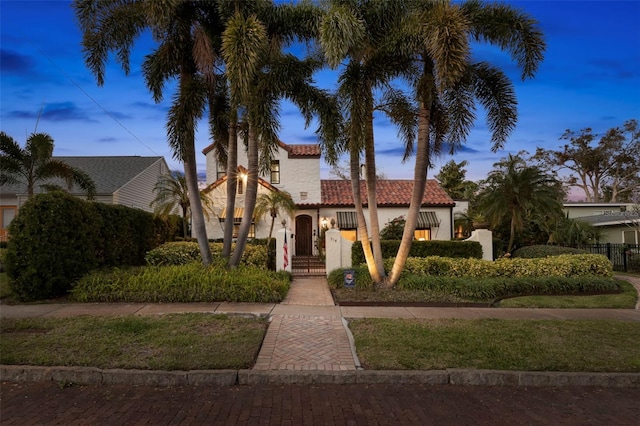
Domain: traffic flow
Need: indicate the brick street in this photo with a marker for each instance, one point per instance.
(55, 404)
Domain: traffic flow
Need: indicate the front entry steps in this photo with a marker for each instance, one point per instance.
(307, 266)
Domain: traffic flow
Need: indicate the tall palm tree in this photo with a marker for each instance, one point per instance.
(172, 192)
(275, 203)
(514, 191)
(181, 28)
(260, 74)
(35, 163)
(437, 36)
(357, 31)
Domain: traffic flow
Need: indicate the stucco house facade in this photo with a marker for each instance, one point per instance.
(122, 180)
(321, 203)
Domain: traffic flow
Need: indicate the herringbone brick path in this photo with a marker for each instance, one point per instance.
(306, 341)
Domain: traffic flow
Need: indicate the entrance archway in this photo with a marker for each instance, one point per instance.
(304, 234)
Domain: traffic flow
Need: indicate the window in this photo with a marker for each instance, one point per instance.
(220, 174)
(631, 237)
(6, 216)
(275, 171)
(422, 234)
(349, 234)
(236, 229)
(240, 189)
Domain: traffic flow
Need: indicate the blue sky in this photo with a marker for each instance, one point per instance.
(590, 78)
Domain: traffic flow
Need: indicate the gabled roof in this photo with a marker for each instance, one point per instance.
(391, 193)
(108, 173)
(293, 150)
(223, 179)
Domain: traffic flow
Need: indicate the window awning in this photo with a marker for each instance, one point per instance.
(347, 220)
(427, 220)
(237, 214)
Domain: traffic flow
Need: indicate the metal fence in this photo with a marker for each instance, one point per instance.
(624, 257)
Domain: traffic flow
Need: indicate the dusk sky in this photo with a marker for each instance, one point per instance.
(590, 78)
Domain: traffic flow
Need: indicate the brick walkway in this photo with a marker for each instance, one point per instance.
(306, 332)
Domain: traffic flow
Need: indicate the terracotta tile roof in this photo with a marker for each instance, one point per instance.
(301, 150)
(223, 179)
(391, 193)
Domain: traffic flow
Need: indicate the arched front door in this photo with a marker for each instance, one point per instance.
(304, 239)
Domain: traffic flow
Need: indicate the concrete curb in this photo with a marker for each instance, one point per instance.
(221, 378)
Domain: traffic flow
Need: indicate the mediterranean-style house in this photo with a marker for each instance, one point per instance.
(321, 204)
(123, 180)
(619, 222)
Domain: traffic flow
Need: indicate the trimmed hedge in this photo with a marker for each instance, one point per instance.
(182, 283)
(566, 265)
(532, 252)
(56, 238)
(184, 252)
(454, 249)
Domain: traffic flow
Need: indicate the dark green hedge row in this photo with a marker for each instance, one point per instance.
(488, 289)
(422, 249)
(532, 252)
(57, 238)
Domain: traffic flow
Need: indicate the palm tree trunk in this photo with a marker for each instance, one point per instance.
(197, 214)
(372, 199)
(362, 224)
(512, 234)
(251, 195)
(232, 166)
(417, 194)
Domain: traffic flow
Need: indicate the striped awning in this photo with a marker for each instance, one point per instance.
(237, 214)
(427, 220)
(347, 220)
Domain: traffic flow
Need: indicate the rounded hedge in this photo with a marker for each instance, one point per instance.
(52, 244)
(532, 252)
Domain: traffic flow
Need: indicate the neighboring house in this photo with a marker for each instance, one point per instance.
(620, 222)
(127, 181)
(321, 203)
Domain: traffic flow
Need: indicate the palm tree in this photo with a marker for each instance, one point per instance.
(172, 192)
(513, 191)
(274, 203)
(35, 163)
(447, 84)
(356, 31)
(181, 28)
(260, 74)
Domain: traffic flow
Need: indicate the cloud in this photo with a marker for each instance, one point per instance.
(107, 140)
(56, 112)
(398, 151)
(16, 63)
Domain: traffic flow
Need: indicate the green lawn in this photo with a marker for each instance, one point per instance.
(171, 342)
(529, 345)
(625, 300)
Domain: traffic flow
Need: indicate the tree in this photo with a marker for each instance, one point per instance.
(569, 231)
(452, 180)
(260, 74)
(514, 192)
(357, 31)
(608, 171)
(35, 163)
(172, 192)
(181, 28)
(274, 203)
(437, 37)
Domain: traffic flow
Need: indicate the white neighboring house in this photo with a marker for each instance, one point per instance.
(123, 180)
(620, 222)
(296, 169)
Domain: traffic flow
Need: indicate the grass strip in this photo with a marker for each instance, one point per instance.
(171, 342)
(624, 300)
(528, 345)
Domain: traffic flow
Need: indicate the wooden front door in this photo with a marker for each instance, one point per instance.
(304, 239)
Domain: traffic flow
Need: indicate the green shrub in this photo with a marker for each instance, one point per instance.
(53, 243)
(362, 277)
(183, 252)
(531, 252)
(56, 238)
(422, 249)
(559, 266)
(183, 283)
